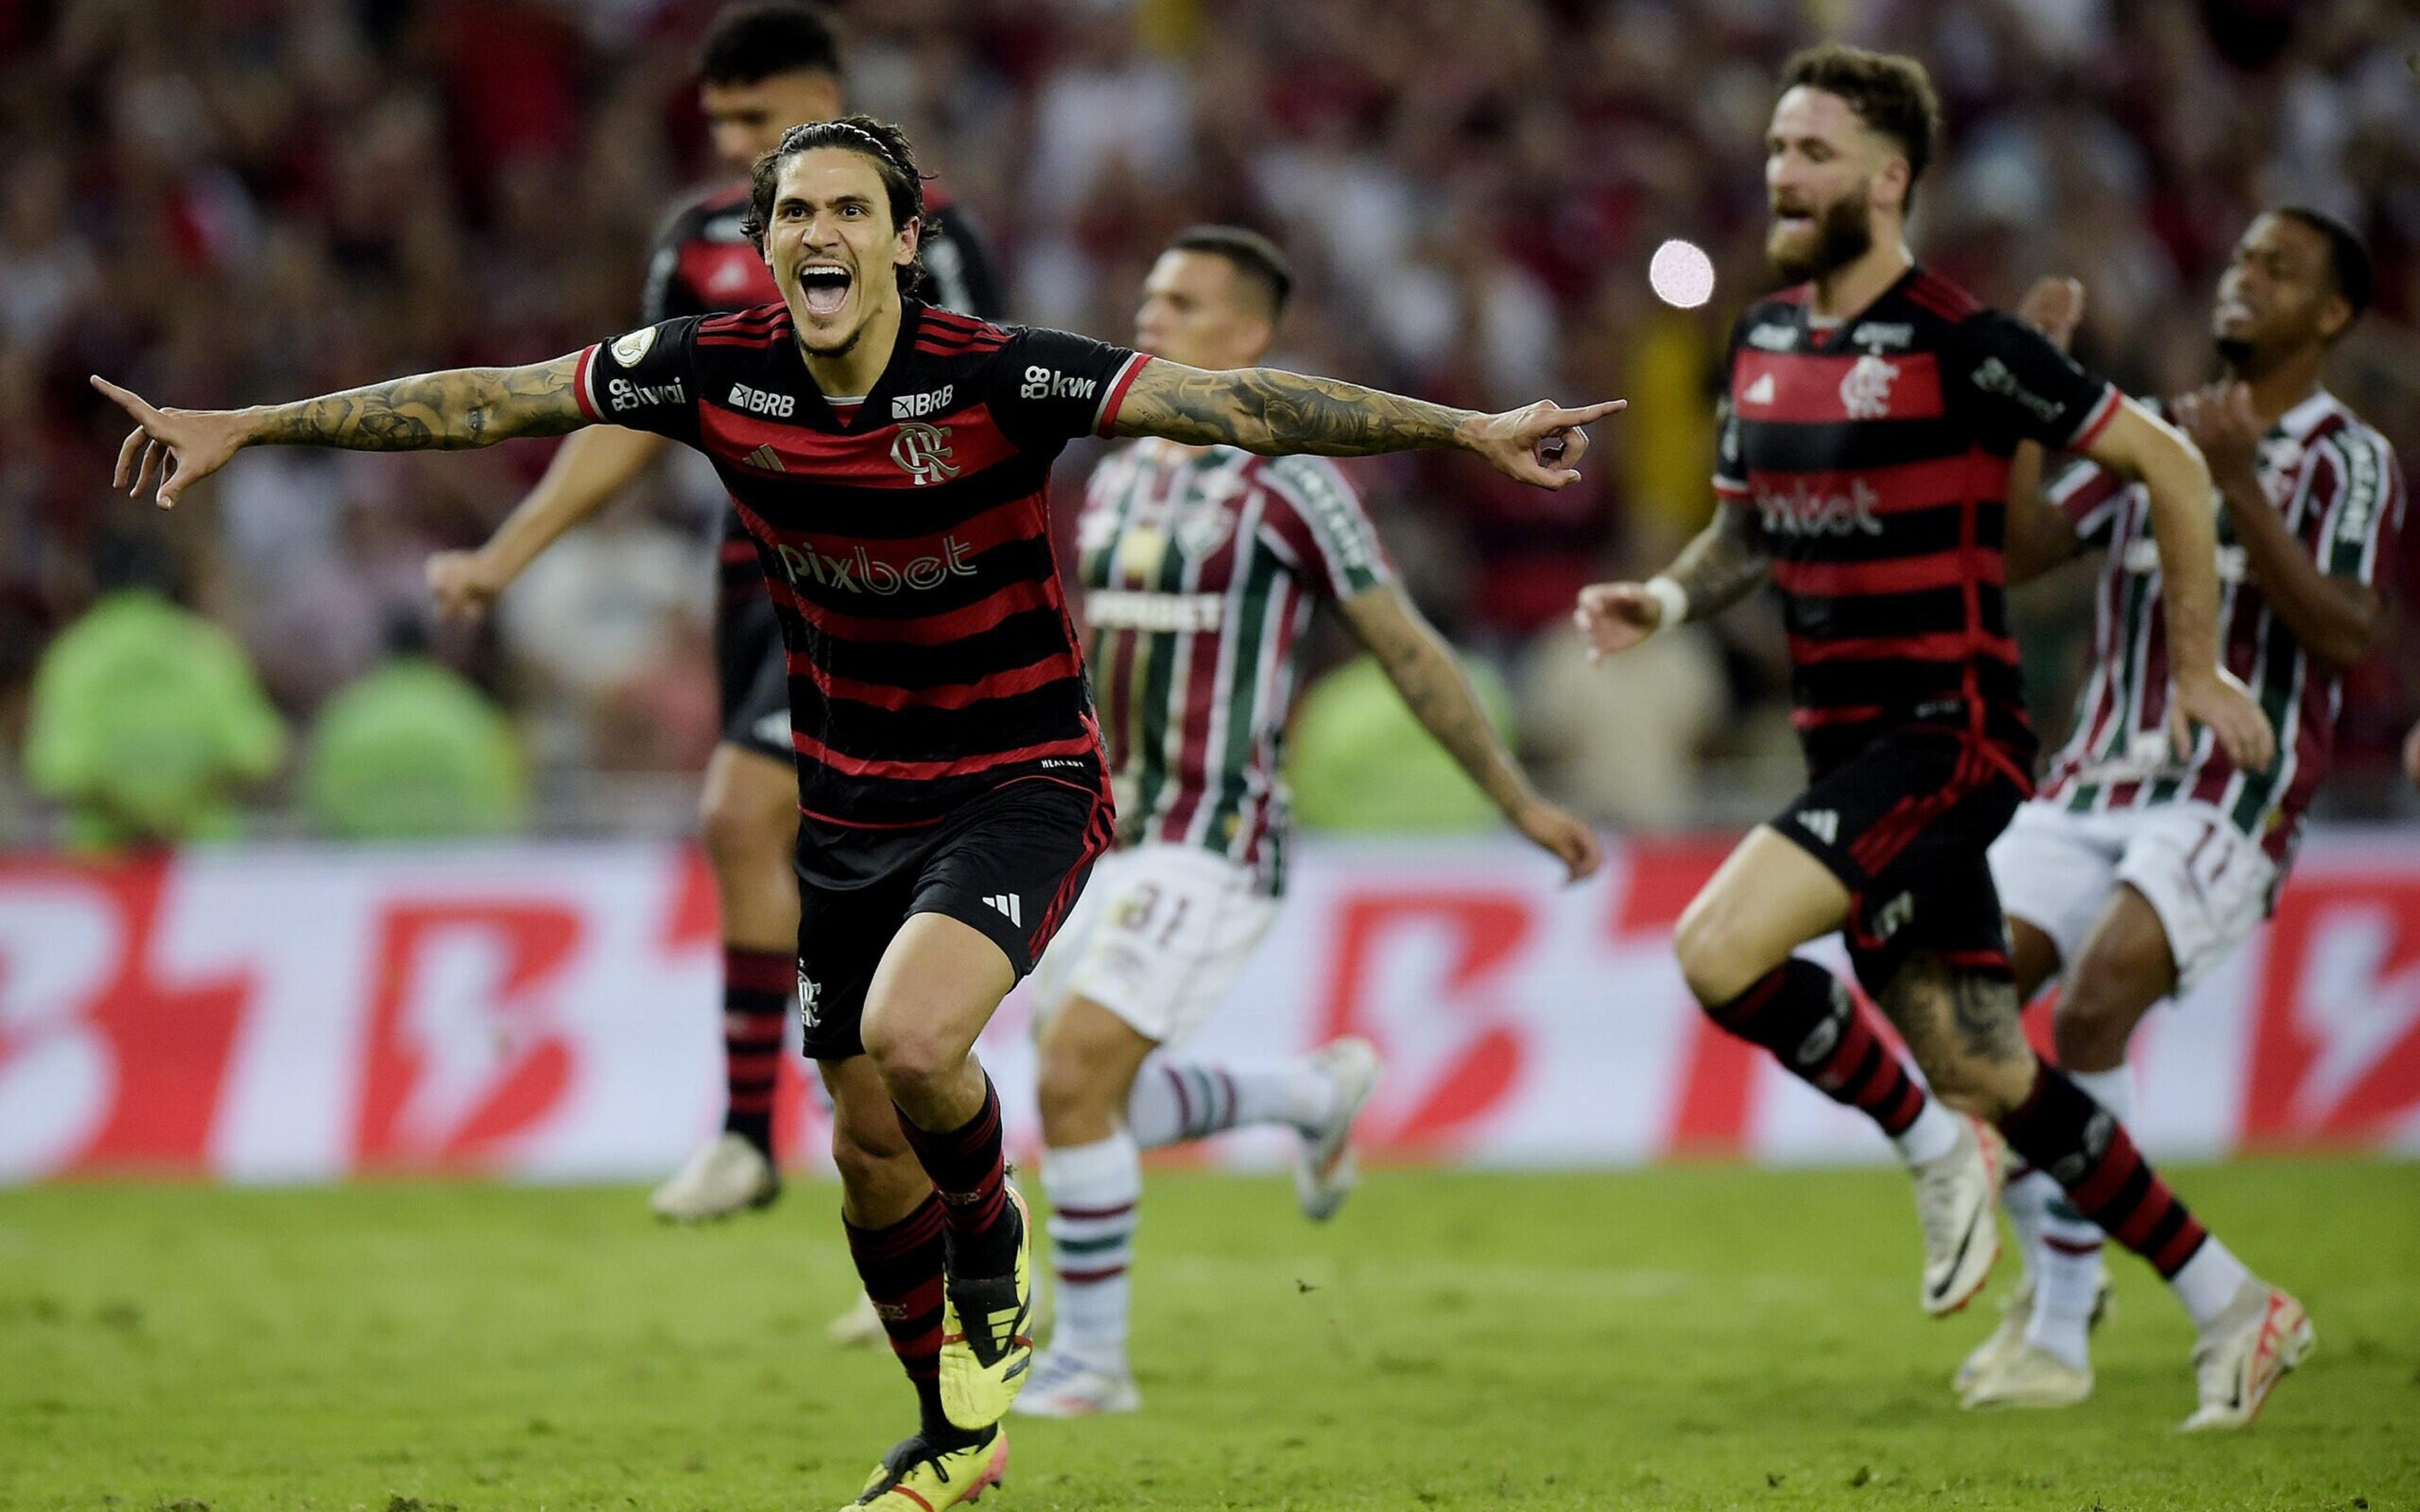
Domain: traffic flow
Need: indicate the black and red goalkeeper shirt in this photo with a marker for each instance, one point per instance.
(907, 546)
(1874, 454)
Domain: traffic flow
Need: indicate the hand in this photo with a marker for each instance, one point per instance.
(2221, 422)
(1537, 443)
(1567, 835)
(2411, 756)
(2219, 700)
(187, 445)
(463, 585)
(2055, 307)
(1614, 617)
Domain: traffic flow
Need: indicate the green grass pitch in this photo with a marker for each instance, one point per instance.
(1688, 1337)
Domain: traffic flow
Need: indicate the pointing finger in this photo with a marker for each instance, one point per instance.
(1563, 418)
(133, 402)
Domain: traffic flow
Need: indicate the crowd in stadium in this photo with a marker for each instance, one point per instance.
(418, 183)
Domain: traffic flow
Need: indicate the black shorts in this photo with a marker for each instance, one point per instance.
(753, 673)
(1010, 863)
(1905, 824)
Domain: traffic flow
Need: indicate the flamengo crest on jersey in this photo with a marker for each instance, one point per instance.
(2337, 483)
(1201, 567)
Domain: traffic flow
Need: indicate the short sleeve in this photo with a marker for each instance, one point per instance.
(2366, 514)
(645, 380)
(2026, 389)
(1048, 387)
(2090, 497)
(1319, 517)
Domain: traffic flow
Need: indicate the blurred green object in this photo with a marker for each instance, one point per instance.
(1357, 759)
(413, 751)
(145, 716)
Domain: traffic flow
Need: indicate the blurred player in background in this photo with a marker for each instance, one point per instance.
(762, 68)
(891, 461)
(1202, 568)
(1871, 414)
(2138, 868)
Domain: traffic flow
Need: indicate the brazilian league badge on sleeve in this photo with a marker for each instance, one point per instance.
(811, 1008)
(629, 350)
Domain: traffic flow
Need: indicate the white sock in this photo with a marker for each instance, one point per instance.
(2209, 1281)
(2064, 1257)
(1093, 1192)
(1178, 1099)
(1934, 1133)
(2022, 1199)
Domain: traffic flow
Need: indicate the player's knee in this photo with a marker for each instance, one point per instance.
(742, 827)
(2090, 1027)
(1077, 1097)
(876, 1165)
(1716, 958)
(910, 1058)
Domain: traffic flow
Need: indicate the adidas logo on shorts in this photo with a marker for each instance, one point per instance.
(1010, 908)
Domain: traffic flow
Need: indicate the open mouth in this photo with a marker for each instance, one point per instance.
(824, 286)
(1792, 220)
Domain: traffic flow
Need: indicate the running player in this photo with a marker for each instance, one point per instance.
(762, 68)
(2137, 869)
(1871, 412)
(890, 460)
(1201, 567)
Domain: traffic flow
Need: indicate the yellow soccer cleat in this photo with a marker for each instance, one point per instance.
(916, 1477)
(987, 1333)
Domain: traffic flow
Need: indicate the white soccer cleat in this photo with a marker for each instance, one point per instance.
(1325, 1173)
(2244, 1352)
(859, 1328)
(1064, 1387)
(1956, 1205)
(2016, 1315)
(726, 1176)
(2028, 1376)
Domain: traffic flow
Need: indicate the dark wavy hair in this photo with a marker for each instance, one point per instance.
(747, 43)
(880, 143)
(1888, 91)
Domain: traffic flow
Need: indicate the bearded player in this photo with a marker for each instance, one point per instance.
(762, 68)
(2139, 868)
(891, 462)
(1203, 566)
(1871, 415)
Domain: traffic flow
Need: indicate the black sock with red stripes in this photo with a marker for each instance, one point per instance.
(969, 1169)
(2062, 1131)
(901, 1267)
(1805, 1015)
(757, 988)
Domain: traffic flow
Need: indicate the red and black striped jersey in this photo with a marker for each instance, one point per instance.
(1874, 455)
(703, 263)
(907, 547)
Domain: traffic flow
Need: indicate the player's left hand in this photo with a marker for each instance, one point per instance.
(173, 449)
(1567, 835)
(2219, 699)
(1538, 444)
(2221, 422)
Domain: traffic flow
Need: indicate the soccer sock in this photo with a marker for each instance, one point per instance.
(2067, 1264)
(1093, 1190)
(757, 988)
(2028, 1193)
(969, 1170)
(1806, 1017)
(1173, 1100)
(901, 1267)
(2061, 1129)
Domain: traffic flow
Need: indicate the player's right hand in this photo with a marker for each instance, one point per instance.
(173, 449)
(2055, 307)
(1614, 617)
(1541, 444)
(463, 585)
(1567, 835)
(2219, 700)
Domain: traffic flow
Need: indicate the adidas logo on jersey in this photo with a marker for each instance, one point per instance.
(1760, 392)
(1823, 823)
(1008, 907)
(767, 458)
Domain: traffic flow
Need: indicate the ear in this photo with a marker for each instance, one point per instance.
(2335, 315)
(910, 236)
(1890, 185)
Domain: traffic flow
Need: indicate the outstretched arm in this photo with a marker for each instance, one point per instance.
(589, 468)
(1417, 660)
(460, 407)
(1274, 412)
(1722, 565)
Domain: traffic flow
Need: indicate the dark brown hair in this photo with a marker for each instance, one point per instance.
(879, 142)
(1889, 91)
(1250, 254)
(747, 43)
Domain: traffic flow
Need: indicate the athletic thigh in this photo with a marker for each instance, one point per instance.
(2055, 870)
(1769, 897)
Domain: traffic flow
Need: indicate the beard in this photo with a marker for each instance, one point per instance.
(1843, 235)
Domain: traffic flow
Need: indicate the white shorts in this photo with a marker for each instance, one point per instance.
(1158, 939)
(2206, 880)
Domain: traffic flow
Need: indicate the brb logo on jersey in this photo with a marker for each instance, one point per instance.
(924, 451)
(1865, 391)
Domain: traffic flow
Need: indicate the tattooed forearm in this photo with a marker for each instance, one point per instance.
(1722, 563)
(1271, 411)
(449, 411)
(1435, 689)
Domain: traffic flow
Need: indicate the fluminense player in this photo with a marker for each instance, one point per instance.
(891, 462)
(2138, 868)
(762, 68)
(1869, 416)
(1201, 567)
